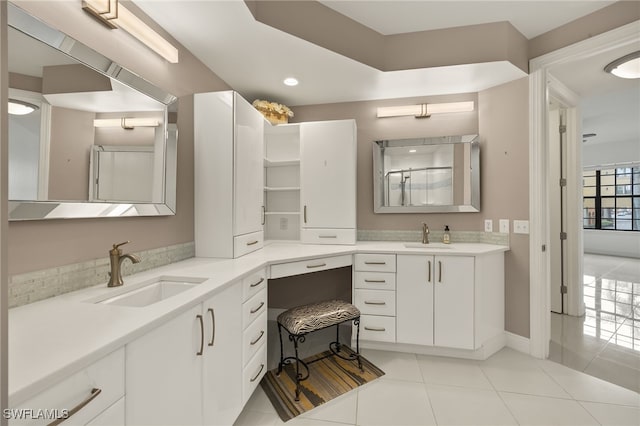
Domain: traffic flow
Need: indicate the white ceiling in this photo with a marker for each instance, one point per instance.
(254, 58)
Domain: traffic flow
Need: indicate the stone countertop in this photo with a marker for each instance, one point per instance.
(53, 338)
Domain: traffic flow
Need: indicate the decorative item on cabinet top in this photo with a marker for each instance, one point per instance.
(274, 112)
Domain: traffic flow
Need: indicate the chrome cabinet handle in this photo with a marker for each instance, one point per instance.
(366, 302)
(254, 310)
(94, 392)
(213, 326)
(375, 263)
(429, 279)
(252, 243)
(253, 342)
(375, 328)
(258, 375)
(305, 214)
(327, 236)
(439, 271)
(199, 353)
(258, 283)
(319, 265)
(374, 281)
(264, 214)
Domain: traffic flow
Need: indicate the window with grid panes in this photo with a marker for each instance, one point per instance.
(611, 199)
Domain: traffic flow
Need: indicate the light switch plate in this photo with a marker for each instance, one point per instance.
(520, 226)
(504, 226)
(488, 225)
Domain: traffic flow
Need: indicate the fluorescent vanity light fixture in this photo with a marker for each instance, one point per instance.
(114, 15)
(291, 81)
(425, 110)
(412, 151)
(126, 123)
(17, 107)
(626, 67)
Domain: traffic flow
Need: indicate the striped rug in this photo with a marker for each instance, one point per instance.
(328, 379)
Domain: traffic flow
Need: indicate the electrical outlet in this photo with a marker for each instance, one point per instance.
(488, 225)
(504, 226)
(520, 226)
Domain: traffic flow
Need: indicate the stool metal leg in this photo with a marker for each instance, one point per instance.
(337, 337)
(298, 375)
(280, 364)
(357, 323)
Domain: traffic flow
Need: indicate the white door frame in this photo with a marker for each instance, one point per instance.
(539, 92)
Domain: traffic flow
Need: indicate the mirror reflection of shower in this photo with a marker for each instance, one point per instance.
(419, 187)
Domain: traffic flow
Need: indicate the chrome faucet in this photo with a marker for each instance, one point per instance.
(116, 257)
(425, 233)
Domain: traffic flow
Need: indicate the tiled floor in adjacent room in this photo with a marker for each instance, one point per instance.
(606, 341)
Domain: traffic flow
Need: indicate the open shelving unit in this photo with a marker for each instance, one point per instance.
(282, 182)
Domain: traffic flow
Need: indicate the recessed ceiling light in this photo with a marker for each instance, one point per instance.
(412, 150)
(626, 67)
(291, 81)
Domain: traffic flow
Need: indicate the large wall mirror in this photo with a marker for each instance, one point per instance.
(87, 138)
(427, 175)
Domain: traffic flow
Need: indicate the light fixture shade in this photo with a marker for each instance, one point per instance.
(17, 107)
(425, 110)
(626, 67)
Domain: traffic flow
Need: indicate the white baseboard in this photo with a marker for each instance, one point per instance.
(518, 343)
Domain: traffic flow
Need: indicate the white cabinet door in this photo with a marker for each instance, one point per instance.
(222, 368)
(164, 374)
(248, 167)
(328, 174)
(454, 302)
(414, 299)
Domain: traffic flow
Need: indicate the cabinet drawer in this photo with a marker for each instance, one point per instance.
(378, 328)
(310, 265)
(107, 375)
(112, 416)
(253, 283)
(375, 262)
(327, 236)
(375, 280)
(253, 373)
(243, 244)
(253, 308)
(254, 337)
(375, 302)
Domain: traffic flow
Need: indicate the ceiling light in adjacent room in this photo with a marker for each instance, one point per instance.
(626, 67)
(291, 81)
(20, 107)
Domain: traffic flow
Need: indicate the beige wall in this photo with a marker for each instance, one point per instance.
(501, 120)
(44, 244)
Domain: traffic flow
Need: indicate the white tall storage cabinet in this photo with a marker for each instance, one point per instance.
(328, 182)
(229, 151)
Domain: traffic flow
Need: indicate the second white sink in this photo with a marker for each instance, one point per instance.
(432, 246)
(151, 292)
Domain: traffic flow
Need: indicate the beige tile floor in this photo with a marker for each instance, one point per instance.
(605, 342)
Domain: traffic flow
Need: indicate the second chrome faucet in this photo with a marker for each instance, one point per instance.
(116, 257)
(425, 233)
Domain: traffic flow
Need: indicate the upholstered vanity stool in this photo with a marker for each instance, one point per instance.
(302, 320)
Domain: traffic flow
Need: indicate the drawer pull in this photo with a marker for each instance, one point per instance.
(258, 283)
(258, 338)
(213, 326)
(375, 328)
(94, 392)
(304, 214)
(252, 243)
(429, 276)
(366, 302)
(327, 236)
(201, 351)
(319, 265)
(439, 271)
(258, 375)
(254, 310)
(375, 263)
(375, 281)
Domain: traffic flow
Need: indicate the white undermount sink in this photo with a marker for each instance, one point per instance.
(149, 292)
(432, 246)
